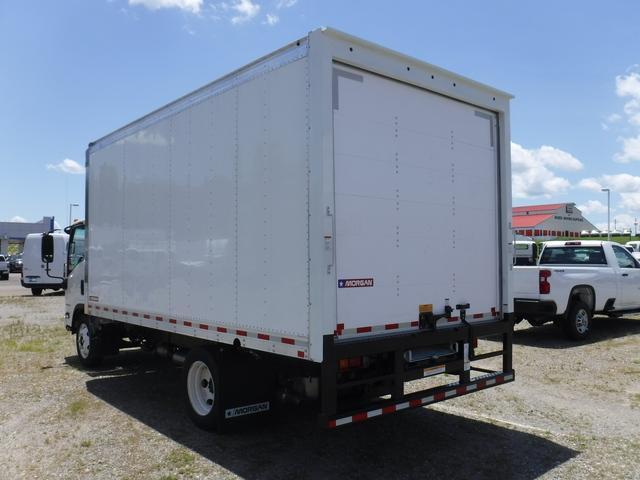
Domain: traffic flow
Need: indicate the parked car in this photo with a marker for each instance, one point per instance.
(4, 268)
(575, 279)
(635, 244)
(15, 263)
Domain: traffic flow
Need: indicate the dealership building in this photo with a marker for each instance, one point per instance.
(553, 220)
(16, 232)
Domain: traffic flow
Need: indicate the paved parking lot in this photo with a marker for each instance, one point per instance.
(573, 412)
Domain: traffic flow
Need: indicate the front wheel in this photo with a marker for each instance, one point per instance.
(202, 389)
(88, 344)
(577, 325)
(36, 292)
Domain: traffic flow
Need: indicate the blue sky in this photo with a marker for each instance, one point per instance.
(74, 70)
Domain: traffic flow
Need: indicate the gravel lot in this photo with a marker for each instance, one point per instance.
(573, 412)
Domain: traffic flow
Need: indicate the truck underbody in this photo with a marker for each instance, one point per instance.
(358, 379)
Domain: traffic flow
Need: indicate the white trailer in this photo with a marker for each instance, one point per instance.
(39, 273)
(335, 209)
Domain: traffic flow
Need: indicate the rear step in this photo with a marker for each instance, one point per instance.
(424, 397)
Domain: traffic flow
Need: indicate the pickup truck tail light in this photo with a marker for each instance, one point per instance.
(545, 286)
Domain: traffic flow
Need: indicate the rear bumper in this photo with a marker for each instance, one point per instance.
(533, 307)
(336, 412)
(425, 397)
(41, 285)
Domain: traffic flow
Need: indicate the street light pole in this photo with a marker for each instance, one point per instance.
(71, 205)
(608, 212)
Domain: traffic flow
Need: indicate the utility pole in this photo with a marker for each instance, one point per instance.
(608, 212)
(71, 205)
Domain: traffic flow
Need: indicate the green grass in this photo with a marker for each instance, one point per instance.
(182, 461)
(23, 338)
(85, 443)
(77, 406)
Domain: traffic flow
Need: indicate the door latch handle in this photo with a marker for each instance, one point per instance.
(625, 274)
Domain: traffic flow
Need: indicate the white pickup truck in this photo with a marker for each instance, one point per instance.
(575, 279)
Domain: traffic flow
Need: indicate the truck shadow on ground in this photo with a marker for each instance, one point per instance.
(602, 329)
(421, 443)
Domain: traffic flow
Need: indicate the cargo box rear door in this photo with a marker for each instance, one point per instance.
(416, 205)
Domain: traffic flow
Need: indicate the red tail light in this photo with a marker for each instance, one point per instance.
(545, 286)
(474, 342)
(349, 363)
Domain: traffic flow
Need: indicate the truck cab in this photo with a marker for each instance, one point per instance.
(75, 293)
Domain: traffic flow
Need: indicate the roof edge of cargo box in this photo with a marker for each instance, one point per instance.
(158, 113)
(293, 47)
(414, 61)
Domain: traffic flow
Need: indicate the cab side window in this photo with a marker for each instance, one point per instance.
(625, 260)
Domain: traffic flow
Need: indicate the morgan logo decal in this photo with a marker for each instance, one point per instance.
(246, 410)
(355, 282)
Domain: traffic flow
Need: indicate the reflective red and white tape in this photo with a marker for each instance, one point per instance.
(340, 331)
(450, 391)
(124, 314)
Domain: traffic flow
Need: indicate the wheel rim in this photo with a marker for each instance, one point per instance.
(200, 388)
(582, 321)
(84, 340)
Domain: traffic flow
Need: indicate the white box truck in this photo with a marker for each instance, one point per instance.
(39, 273)
(324, 224)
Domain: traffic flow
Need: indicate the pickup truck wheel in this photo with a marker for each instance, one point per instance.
(577, 325)
(88, 344)
(36, 292)
(202, 389)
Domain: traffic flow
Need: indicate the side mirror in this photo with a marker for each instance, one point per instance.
(47, 248)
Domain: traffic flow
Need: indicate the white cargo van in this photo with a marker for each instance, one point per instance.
(39, 273)
(299, 230)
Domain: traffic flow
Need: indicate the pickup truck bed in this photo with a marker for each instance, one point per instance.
(572, 281)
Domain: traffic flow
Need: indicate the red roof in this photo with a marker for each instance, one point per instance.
(537, 208)
(529, 221)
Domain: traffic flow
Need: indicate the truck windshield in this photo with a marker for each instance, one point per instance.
(573, 256)
(76, 247)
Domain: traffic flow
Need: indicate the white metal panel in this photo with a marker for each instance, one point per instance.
(105, 209)
(272, 202)
(417, 205)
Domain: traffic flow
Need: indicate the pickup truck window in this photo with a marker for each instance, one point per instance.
(573, 256)
(625, 260)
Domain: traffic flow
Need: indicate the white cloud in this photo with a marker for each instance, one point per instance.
(286, 3)
(192, 6)
(630, 201)
(532, 171)
(630, 150)
(271, 19)
(592, 206)
(628, 86)
(67, 166)
(622, 182)
(590, 184)
(246, 11)
(18, 219)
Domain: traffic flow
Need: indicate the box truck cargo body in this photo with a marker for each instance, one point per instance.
(335, 208)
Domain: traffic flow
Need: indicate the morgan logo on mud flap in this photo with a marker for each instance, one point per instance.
(355, 282)
(246, 410)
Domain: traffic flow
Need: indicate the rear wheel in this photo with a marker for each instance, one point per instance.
(202, 389)
(36, 292)
(88, 343)
(577, 325)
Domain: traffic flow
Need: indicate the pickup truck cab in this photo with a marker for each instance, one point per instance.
(572, 281)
